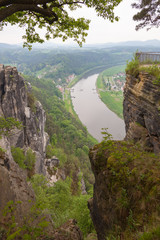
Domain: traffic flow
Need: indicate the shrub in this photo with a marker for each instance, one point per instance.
(132, 67)
(24, 161)
(18, 156)
(152, 235)
(61, 204)
(30, 159)
(29, 229)
(31, 101)
(8, 124)
(153, 70)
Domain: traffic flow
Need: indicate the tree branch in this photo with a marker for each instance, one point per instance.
(33, 2)
(70, 3)
(8, 11)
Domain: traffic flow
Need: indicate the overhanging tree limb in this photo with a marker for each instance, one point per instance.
(6, 12)
(35, 2)
(148, 14)
(53, 16)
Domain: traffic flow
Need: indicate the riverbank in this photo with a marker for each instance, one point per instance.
(69, 106)
(89, 72)
(92, 112)
(109, 86)
(67, 95)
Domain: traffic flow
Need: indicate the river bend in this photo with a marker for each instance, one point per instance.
(92, 112)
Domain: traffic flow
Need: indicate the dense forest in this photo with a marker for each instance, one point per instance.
(59, 63)
(70, 142)
(69, 138)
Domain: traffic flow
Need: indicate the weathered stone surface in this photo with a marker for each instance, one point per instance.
(53, 162)
(14, 103)
(13, 180)
(98, 204)
(13, 184)
(68, 231)
(142, 111)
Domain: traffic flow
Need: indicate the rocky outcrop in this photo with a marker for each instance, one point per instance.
(126, 195)
(16, 193)
(142, 111)
(13, 185)
(16, 101)
(53, 170)
(68, 231)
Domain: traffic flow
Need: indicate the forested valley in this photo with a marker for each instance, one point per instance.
(49, 70)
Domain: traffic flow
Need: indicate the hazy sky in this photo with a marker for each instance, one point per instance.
(101, 31)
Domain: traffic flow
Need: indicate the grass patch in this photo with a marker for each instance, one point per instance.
(68, 102)
(114, 70)
(112, 99)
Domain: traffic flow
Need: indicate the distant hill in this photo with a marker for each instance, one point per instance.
(6, 46)
(48, 45)
(153, 43)
(64, 60)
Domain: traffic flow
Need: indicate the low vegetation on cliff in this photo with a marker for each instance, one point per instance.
(126, 198)
(134, 67)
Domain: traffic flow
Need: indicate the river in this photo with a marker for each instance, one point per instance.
(92, 112)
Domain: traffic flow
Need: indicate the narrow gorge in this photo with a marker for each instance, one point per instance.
(126, 200)
(17, 198)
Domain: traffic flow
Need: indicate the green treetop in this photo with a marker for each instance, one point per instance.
(53, 16)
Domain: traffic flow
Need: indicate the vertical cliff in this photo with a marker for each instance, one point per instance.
(142, 110)
(126, 197)
(13, 185)
(16, 101)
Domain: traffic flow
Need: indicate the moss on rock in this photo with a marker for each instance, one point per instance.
(126, 193)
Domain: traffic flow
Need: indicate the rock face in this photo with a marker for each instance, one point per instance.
(68, 231)
(142, 111)
(13, 184)
(53, 172)
(124, 201)
(15, 102)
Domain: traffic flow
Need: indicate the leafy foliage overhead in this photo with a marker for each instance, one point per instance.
(148, 14)
(53, 16)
